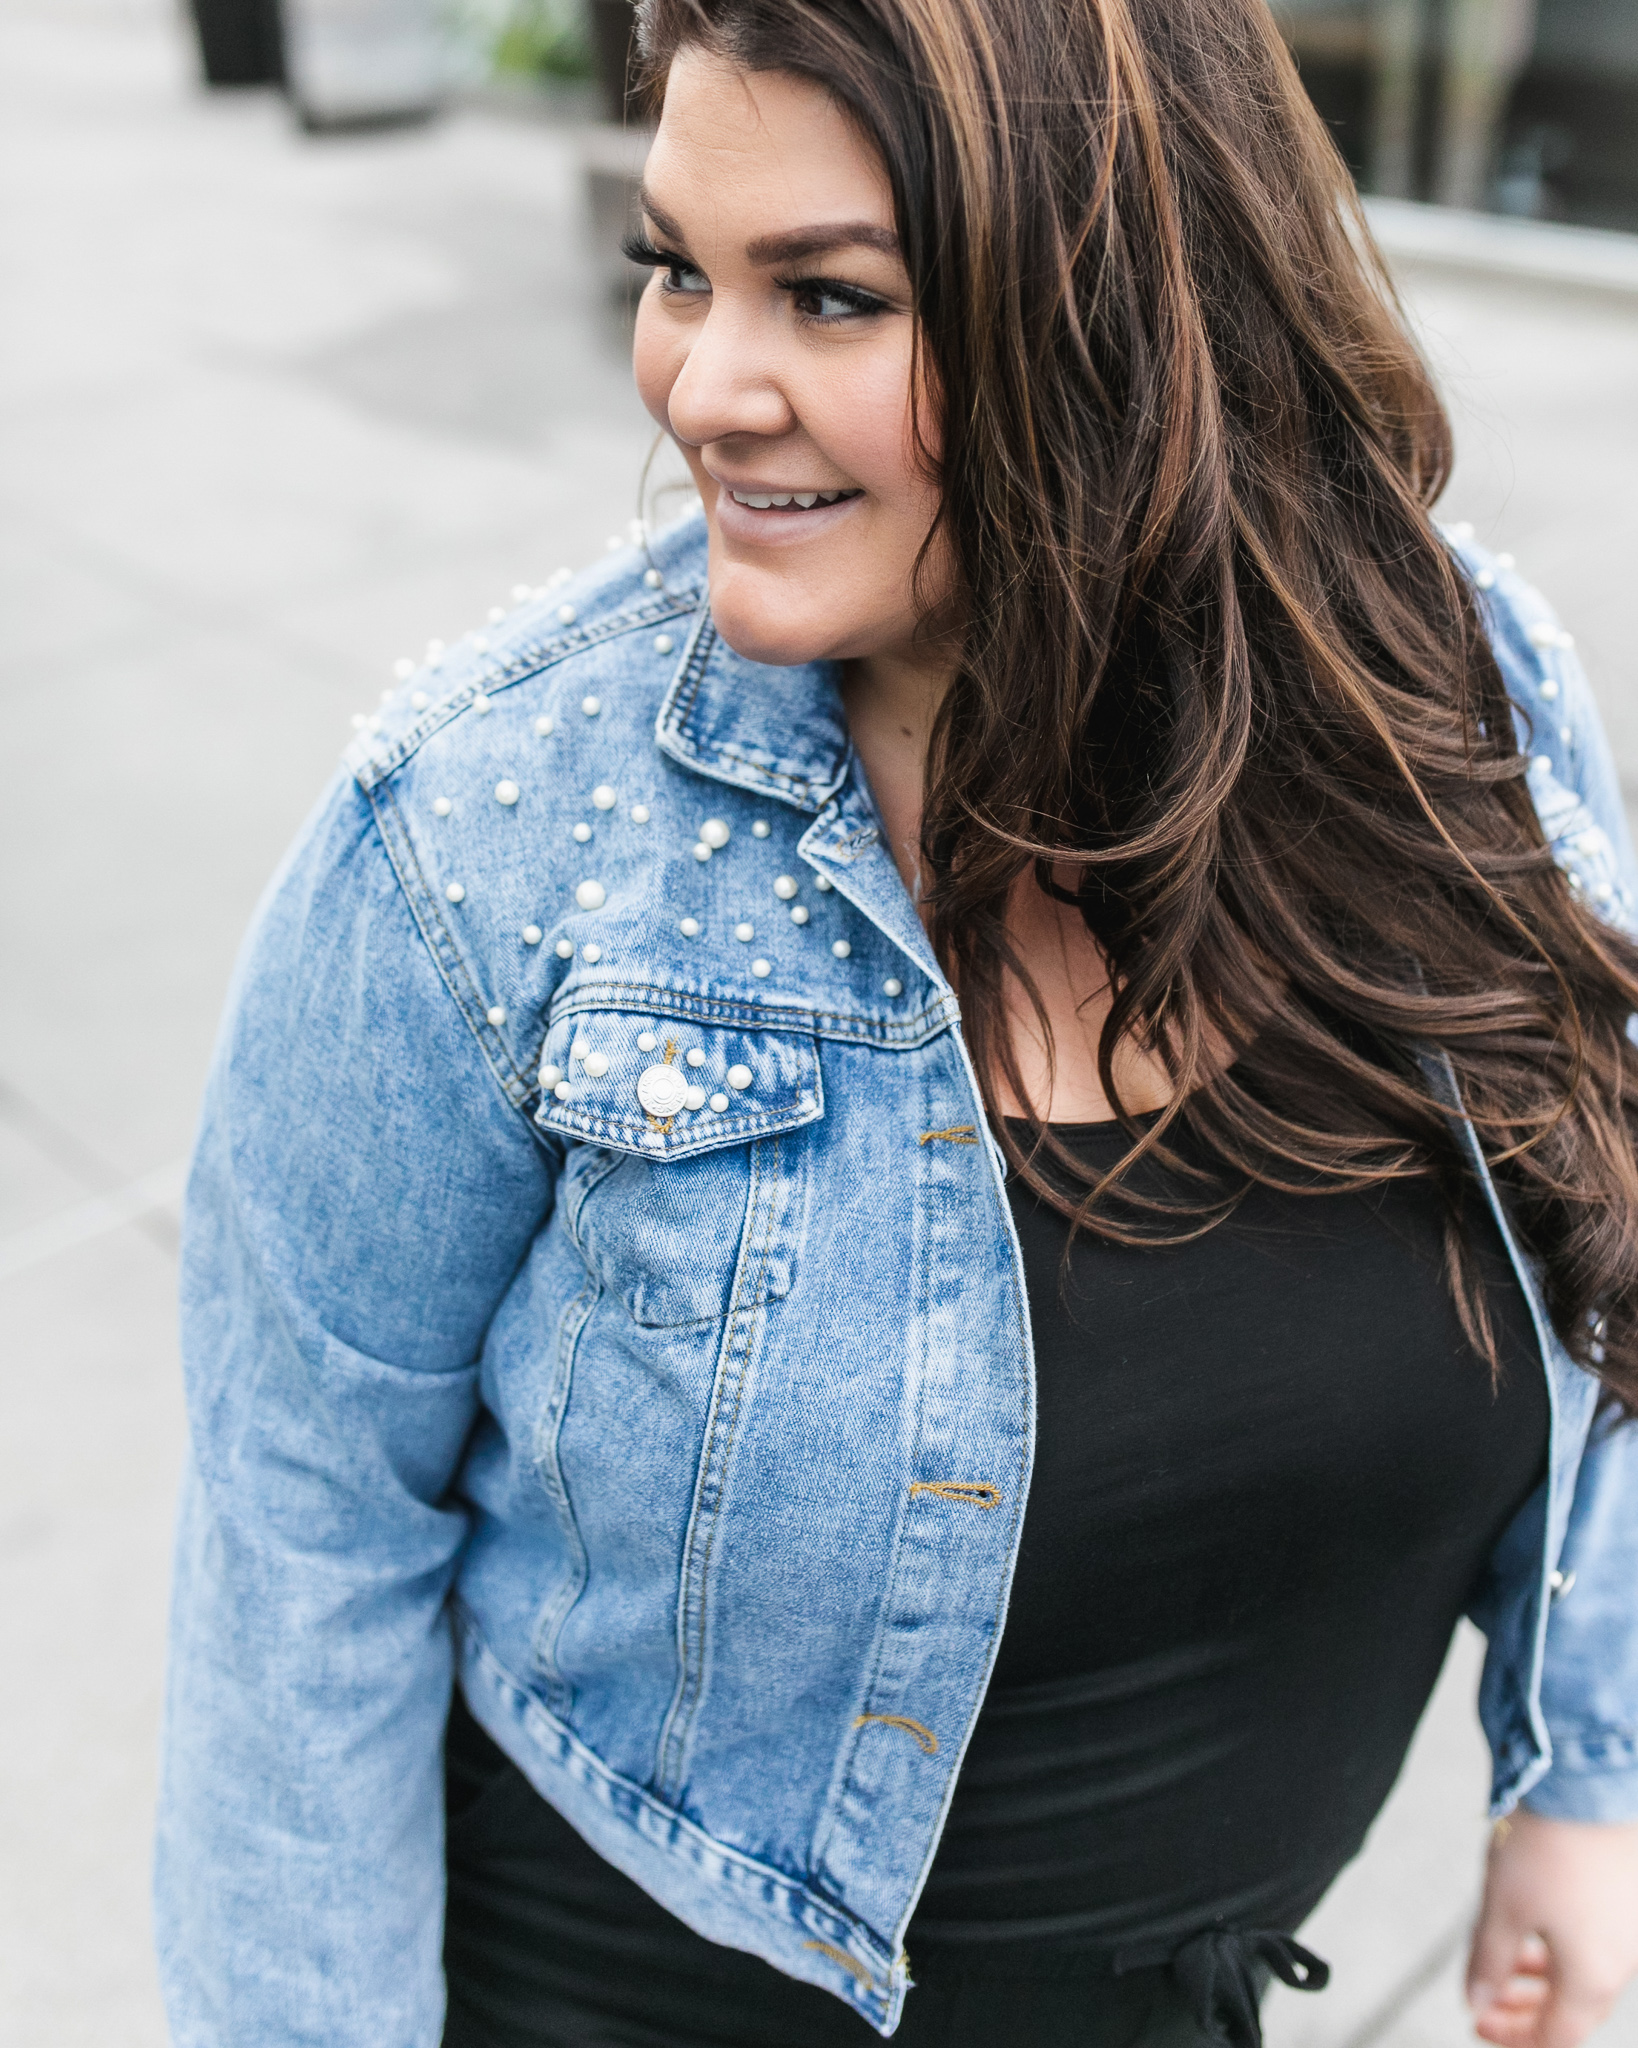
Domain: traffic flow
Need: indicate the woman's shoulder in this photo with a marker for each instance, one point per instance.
(1572, 776)
(504, 793)
(560, 680)
(520, 764)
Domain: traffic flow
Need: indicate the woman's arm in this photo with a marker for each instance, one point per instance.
(361, 1197)
(1557, 1937)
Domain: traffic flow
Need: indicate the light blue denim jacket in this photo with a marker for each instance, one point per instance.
(694, 1439)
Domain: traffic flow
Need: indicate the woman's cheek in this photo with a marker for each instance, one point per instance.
(655, 360)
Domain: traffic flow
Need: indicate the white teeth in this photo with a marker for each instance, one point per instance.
(765, 501)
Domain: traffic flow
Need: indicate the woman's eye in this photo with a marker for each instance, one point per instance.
(683, 277)
(819, 301)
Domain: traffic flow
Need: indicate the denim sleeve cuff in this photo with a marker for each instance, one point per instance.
(1592, 1779)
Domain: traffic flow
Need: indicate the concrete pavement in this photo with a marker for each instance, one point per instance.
(275, 410)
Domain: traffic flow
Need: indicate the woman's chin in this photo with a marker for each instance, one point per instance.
(757, 633)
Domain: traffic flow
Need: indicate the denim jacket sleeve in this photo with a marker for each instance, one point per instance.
(1589, 1667)
(361, 1196)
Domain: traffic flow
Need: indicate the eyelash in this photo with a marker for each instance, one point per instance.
(637, 248)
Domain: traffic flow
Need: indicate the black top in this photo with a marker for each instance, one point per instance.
(1269, 1469)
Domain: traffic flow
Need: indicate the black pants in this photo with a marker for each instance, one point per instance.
(547, 1946)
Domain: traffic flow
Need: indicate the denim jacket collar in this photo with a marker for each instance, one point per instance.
(777, 731)
(781, 732)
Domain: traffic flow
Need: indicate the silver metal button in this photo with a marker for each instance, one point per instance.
(662, 1091)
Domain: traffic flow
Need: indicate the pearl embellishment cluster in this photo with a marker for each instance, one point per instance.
(590, 895)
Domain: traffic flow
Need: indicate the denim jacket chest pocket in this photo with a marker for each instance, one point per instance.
(677, 1188)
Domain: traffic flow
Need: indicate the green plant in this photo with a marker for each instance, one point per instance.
(549, 37)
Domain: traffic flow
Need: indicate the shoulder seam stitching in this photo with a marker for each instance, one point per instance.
(447, 957)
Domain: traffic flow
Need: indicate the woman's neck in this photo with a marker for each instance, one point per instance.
(891, 703)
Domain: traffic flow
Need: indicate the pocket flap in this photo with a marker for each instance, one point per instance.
(611, 1078)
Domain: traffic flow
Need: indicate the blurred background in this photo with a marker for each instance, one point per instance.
(314, 350)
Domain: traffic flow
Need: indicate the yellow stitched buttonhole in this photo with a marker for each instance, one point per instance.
(977, 1493)
(840, 1955)
(926, 1740)
(957, 1134)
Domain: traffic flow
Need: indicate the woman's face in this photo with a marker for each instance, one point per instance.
(774, 346)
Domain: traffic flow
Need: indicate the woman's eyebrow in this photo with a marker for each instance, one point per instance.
(819, 241)
(795, 243)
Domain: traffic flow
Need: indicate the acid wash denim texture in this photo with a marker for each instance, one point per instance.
(695, 1443)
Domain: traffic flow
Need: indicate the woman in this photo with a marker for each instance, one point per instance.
(970, 1498)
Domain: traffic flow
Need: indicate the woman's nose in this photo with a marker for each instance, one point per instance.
(728, 383)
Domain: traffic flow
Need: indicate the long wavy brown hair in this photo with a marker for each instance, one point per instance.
(1222, 685)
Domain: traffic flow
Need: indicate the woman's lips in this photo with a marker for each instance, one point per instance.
(776, 525)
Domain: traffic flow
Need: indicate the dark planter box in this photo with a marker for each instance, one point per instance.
(239, 41)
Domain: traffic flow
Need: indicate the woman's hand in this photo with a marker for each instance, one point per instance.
(1557, 1939)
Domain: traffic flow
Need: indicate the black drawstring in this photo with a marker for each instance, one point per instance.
(1219, 1973)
